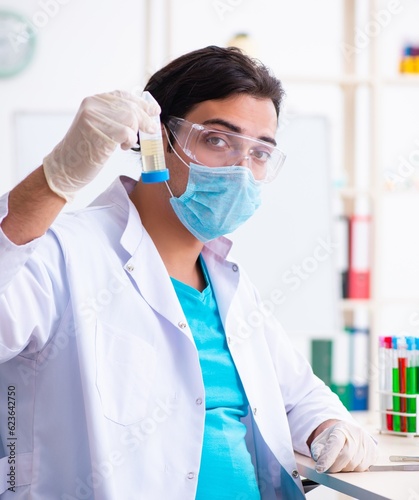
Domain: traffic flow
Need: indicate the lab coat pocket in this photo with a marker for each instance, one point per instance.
(125, 370)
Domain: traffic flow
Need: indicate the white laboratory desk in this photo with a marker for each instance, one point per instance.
(389, 485)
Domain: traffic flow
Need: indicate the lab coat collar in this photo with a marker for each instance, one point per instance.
(221, 246)
(161, 298)
(137, 242)
(118, 192)
(134, 230)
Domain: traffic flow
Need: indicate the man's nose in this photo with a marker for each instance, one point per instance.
(243, 161)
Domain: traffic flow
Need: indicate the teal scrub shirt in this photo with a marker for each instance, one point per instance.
(226, 471)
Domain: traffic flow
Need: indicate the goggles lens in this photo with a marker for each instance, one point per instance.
(216, 147)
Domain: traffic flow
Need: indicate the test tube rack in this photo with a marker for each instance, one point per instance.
(403, 419)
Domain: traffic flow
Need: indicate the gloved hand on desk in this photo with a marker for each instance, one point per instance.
(343, 447)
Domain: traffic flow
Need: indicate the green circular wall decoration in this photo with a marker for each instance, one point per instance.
(17, 43)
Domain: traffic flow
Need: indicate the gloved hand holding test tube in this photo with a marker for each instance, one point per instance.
(102, 123)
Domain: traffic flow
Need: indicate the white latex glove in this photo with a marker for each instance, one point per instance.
(343, 447)
(102, 122)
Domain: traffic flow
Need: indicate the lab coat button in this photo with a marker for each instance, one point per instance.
(182, 324)
(198, 401)
(235, 268)
(130, 268)
(191, 475)
(295, 474)
(255, 411)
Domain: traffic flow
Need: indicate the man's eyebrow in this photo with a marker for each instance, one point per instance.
(235, 128)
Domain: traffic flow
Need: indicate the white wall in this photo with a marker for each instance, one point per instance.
(98, 45)
(84, 48)
(94, 46)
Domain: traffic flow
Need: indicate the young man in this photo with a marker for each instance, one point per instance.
(127, 363)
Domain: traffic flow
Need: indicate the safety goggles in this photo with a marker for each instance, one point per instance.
(215, 147)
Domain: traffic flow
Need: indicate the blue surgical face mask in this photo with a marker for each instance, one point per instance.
(217, 200)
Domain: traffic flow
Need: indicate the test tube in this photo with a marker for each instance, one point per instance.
(385, 381)
(382, 379)
(388, 362)
(417, 362)
(411, 387)
(396, 386)
(152, 153)
(402, 364)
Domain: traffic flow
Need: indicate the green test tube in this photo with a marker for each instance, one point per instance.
(417, 363)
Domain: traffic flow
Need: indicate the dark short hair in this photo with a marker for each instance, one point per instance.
(211, 73)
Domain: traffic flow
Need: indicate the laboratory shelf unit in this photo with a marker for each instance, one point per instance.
(367, 90)
(383, 263)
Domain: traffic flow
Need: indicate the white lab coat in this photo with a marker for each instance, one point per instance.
(109, 397)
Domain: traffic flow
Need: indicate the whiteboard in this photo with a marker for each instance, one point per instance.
(36, 134)
(286, 247)
(283, 246)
